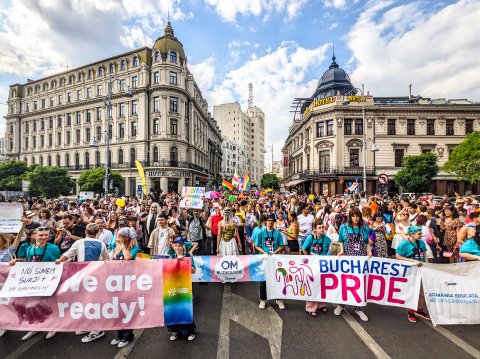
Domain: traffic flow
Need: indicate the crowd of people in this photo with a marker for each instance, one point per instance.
(417, 230)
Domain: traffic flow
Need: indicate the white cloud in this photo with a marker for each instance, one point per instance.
(435, 51)
(333, 26)
(229, 9)
(204, 74)
(336, 4)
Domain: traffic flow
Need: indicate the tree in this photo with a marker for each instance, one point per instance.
(464, 160)
(11, 175)
(417, 172)
(270, 180)
(49, 182)
(93, 180)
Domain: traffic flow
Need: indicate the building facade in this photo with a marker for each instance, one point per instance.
(165, 124)
(323, 151)
(235, 157)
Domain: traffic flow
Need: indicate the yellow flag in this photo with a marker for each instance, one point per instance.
(141, 172)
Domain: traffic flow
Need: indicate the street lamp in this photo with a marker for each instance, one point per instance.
(365, 138)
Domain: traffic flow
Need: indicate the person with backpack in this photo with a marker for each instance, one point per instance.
(414, 250)
(196, 231)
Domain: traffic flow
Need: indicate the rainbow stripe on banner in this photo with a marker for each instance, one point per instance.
(227, 185)
(177, 291)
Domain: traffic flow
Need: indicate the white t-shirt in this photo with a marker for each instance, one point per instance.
(105, 236)
(87, 250)
(305, 224)
(162, 243)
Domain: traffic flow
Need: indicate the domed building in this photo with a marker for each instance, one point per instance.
(323, 153)
(158, 117)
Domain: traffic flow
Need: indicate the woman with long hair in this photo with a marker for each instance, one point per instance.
(280, 225)
(470, 249)
(451, 225)
(333, 231)
(291, 233)
(379, 236)
(152, 220)
(112, 221)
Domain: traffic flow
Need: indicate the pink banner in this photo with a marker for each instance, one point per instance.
(101, 296)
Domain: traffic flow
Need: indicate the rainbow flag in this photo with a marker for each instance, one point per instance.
(235, 179)
(177, 291)
(227, 185)
(246, 182)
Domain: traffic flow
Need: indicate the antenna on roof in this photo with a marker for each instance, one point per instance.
(410, 92)
(333, 51)
(168, 14)
(61, 65)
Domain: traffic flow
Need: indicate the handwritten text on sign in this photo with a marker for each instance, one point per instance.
(192, 197)
(32, 280)
(10, 217)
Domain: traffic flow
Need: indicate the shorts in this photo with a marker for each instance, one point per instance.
(293, 245)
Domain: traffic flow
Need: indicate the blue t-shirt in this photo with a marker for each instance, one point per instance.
(22, 250)
(407, 249)
(49, 253)
(318, 246)
(255, 232)
(471, 247)
(135, 249)
(269, 241)
(345, 230)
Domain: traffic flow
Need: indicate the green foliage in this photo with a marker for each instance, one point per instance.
(49, 182)
(417, 172)
(270, 180)
(464, 160)
(11, 175)
(93, 180)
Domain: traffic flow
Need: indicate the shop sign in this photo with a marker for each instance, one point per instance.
(185, 174)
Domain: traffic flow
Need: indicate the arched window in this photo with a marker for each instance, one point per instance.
(67, 160)
(97, 158)
(173, 56)
(100, 71)
(14, 93)
(123, 65)
(135, 61)
(49, 160)
(71, 79)
(58, 161)
(87, 160)
(25, 160)
(173, 156)
(90, 74)
(79, 77)
(41, 160)
(120, 156)
(157, 56)
(45, 86)
(155, 154)
(111, 68)
(77, 161)
(132, 157)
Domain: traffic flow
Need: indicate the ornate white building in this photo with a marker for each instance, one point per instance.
(165, 125)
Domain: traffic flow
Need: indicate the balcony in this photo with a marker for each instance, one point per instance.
(336, 171)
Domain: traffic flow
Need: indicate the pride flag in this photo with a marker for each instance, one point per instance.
(235, 179)
(227, 185)
(246, 182)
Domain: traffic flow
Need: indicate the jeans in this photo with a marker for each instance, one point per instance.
(263, 290)
(241, 235)
(301, 240)
(125, 334)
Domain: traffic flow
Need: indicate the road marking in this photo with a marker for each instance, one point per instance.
(454, 339)
(25, 346)
(123, 352)
(364, 336)
(266, 323)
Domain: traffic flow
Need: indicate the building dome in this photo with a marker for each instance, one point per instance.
(168, 42)
(334, 80)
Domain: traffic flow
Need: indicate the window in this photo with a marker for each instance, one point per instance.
(87, 160)
(410, 127)
(79, 77)
(110, 131)
(430, 127)
(173, 155)
(329, 128)
(120, 156)
(26, 128)
(121, 130)
(449, 128)
(69, 97)
(70, 79)
(97, 158)
(121, 84)
(468, 126)
(173, 77)
(99, 114)
(173, 126)
(157, 56)
(59, 138)
(69, 119)
(42, 124)
(134, 81)
(110, 112)
(35, 105)
(90, 74)
(42, 141)
(324, 161)
(359, 126)
(67, 160)
(27, 107)
(133, 129)
(426, 150)
(51, 101)
(173, 56)
(34, 140)
(123, 65)
(87, 134)
(111, 68)
(347, 128)
(43, 103)
(77, 136)
(89, 92)
(134, 107)
(133, 156)
(41, 160)
(59, 121)
(99, 131)
(11, 129)
(100, 71)
(156, 126)
(67, 138)
(50, 122)
(399, 153)
(88, 116)
(79, 95)
(57, 160)
(50, 140)
(78, 118)
(354, 157)
(135, 61)
(59, 99)
(156, 77)
(99, 90)
(391, 126)
(26, 143)
(156, 104)
(320, 129)
(121, 110)
(173, 104)
(155, 154)
(77, 161)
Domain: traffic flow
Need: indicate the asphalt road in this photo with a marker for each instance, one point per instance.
(241, 330)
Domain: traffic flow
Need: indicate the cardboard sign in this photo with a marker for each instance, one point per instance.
(10, 217)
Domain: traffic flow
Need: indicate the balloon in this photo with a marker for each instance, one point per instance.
(257, 193)
(231, 198)
(120, 202)
(311, 197)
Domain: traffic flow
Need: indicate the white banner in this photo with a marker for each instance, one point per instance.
(452, 292)
(343, 280)
(10, 217)
(32, 280)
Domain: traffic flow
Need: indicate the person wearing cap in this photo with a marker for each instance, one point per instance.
(268, 241)
(414, 250)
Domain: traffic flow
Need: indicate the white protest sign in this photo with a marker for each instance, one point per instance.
(87, 195)
(10, 217)
(32, 280)
(452, 292)
(192, 197)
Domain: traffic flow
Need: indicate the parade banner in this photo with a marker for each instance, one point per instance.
(32, 280)
(229, 268)
(452, 292)
(192, 197)
(11, 217)
(106, 296)
(343, 280)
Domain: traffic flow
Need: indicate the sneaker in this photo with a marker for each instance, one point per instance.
(262, 304)
(173, 336)
(115, 341)
(50, 335)
(191, 337)
(2, 332)
(422, 314)
(123, 343)
(361, 315)
(280, 304)
(338, 310)
(81, 333)
(411, 317)
(92, 336)
(28, 335)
